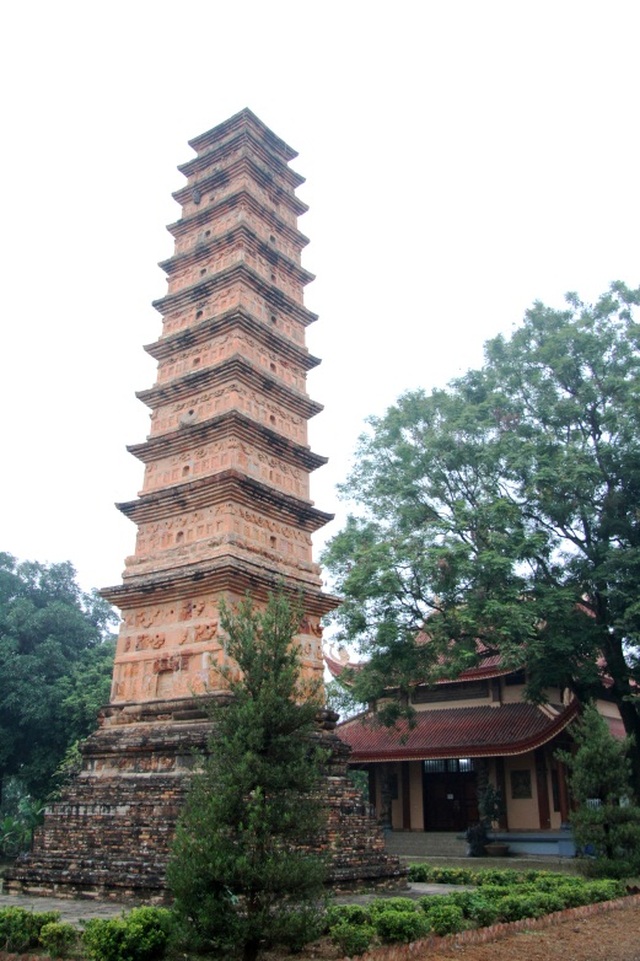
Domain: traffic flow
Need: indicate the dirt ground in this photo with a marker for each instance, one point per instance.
(612, 935)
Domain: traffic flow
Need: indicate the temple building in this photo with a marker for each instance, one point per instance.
(425, 777)
(224, 511)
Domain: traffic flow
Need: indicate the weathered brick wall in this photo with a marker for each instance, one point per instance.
(110, 833)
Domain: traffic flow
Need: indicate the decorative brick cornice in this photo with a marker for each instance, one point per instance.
(236, 318)
(203, 252)
(234, 368)
(240, 198)
(256, 173)
(224, 574)
(238, 273)
(231, 423)
(254, 145)
(223, 486)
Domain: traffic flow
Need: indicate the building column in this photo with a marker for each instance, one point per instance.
(385, 818)
(406, 796)
(544, 812)
(501, 784)
(563, 794)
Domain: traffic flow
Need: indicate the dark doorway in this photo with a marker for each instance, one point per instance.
(449, 792)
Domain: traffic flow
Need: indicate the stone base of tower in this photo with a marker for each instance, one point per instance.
(110, 834)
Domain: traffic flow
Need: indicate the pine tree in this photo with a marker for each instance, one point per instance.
(243, 872)
(604, 822)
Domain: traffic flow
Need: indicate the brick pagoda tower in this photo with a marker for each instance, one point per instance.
(224, 511)
(225, 503)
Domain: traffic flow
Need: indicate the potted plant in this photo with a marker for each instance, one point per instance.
(491, 808)
(477, 839)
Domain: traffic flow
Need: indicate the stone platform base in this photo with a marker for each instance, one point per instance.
(110, 834)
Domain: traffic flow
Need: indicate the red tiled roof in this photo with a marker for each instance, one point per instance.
(456, 732)
(488, 667)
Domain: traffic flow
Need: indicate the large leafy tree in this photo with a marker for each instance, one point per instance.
(242, 873)
(506, 510)
(56, 661)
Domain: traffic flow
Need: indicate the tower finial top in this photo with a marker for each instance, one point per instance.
(243, 119)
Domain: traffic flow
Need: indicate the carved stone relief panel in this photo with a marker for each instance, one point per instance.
(210, 459)
(231, 396)
(196, 535)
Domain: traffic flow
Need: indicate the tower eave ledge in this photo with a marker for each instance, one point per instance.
(216, 180)
(235, 368)
(257, 146)
(221, 575)
(233, 421)
(201, 253)
(202, 217)
(208, 491)
(238, 272)
(193, 336)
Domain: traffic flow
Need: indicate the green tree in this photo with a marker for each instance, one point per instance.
(600, 768)
(242, 873)
(55, 667)
(600, 783)
(506, 510)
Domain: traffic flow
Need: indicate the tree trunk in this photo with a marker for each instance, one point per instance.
(618, 671)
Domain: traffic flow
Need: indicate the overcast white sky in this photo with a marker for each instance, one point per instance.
(462, 160)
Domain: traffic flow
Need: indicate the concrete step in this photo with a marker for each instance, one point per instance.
(426, 844)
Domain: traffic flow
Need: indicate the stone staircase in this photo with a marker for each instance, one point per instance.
(426, 844)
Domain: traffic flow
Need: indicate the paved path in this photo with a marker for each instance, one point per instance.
(73, 910)
(78, 910)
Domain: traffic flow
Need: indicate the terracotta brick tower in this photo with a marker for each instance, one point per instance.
(225, 504)
(224, 511)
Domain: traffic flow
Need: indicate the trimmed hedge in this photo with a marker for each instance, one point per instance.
(497, 896)
(20, 929)
(140, 935)
(58, 938)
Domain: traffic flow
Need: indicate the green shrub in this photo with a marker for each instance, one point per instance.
(350, 913)
(396, 925)
(540, 877)
(604, 890)
(572, 895)
(384, 905)
(483, 912)
(513, 907)
(443, 918)
(506, 877)
(616, 868)
(509, 895)
(464, 900)
(426, 873)
(547, 881)
(476, 906)
(530, 904)
(298, 926)
(104, 939)
(58, 938)
(611, 831)
(420, 873)
(20, 929)
(140, 935)
(351, 938)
